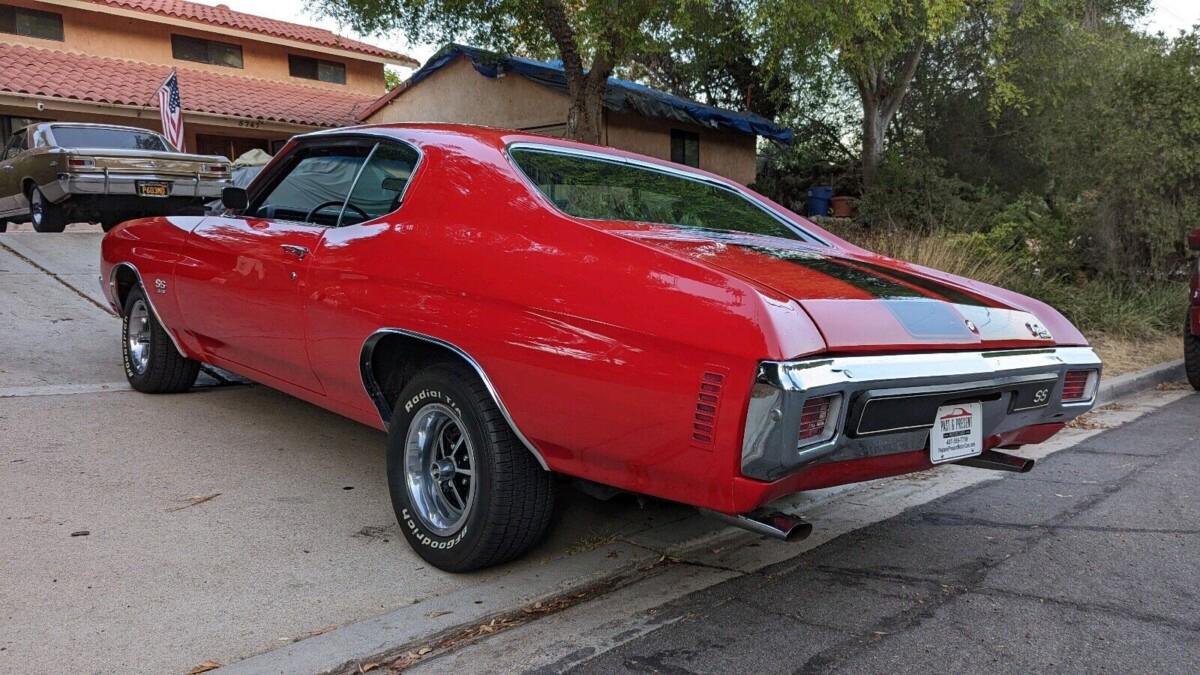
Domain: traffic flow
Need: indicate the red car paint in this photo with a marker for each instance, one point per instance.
(596, 335)
(1194, 244)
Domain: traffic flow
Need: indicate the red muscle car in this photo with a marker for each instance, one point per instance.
(510, 306)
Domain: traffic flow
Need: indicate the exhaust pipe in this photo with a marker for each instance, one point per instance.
(772, 524)
(998, 461)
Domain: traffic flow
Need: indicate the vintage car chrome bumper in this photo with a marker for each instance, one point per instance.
(126, 184)
(886, 404)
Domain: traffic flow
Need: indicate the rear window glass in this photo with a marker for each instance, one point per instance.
(598, 189)
(111, 139)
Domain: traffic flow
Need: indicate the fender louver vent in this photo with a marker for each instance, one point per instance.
(708, 400)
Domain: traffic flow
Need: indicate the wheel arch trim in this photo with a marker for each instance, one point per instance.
(115, 299)
(385, 410)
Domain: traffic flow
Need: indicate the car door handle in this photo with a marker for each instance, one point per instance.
(298, 251)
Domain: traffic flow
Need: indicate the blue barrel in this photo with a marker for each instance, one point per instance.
(820, 198)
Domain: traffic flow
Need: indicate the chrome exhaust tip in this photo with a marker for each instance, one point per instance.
(998, 461)
(769, 523)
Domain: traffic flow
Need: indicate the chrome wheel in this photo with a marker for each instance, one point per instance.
(439, 468)
(137, 337)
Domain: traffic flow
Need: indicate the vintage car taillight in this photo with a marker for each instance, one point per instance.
(81, 163)
(216, 168)
(1080, 385)
(818, 419)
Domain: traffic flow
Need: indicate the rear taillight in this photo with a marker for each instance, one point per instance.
(81, 163)
(818, 419)
(216, 168)
(1080, 385)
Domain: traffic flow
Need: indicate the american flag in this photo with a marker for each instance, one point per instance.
(171, 110)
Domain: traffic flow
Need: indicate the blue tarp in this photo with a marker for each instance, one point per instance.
(620, 96)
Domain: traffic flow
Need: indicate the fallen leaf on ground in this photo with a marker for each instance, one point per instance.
(204, 667)
(436, 613)
(80, 533)
(424, 650)
(364, 667)
(322, 631)
(198, 499)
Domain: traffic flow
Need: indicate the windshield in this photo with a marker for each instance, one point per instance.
(594, 188)
(112, 139)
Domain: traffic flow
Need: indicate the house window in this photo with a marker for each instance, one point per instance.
(685, 147)
(317, 69)
(31, 23)
(186, 48)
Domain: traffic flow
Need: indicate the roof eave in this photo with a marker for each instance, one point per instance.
(345, 53)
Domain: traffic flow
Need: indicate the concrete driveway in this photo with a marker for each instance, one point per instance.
(219, 523)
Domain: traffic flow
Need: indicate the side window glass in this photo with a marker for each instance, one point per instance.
(381, 184)
(314, 186)
(16, 145)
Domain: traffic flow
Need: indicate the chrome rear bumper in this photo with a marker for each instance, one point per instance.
(126, 184)
(885, 403)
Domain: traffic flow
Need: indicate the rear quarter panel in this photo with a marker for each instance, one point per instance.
(596, 344)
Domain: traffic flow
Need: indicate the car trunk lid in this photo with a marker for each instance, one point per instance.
(861, 303)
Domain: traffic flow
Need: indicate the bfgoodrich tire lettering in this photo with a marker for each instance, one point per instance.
(1191, 353)
(508, 499)
(152, 363)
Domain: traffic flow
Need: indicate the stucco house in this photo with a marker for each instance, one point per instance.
(245, 81)
(473, 86)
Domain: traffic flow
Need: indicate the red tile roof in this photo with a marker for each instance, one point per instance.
(220, 15)
(43, 72)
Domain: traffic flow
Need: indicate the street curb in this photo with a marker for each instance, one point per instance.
(386, 637)
(1133, 383)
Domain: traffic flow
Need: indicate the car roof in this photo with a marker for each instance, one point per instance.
(428, 133)
(89, 125)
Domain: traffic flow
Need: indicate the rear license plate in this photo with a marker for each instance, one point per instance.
(956, 432)
(154, 189)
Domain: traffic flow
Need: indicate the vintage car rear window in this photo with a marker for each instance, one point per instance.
(593, 188)
(109, 139)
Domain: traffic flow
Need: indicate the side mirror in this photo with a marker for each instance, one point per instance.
(1194, 240)
(235, 198)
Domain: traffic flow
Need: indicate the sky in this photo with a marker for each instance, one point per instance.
(1168, 16)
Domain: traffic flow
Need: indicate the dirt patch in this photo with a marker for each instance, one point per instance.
(1125, 355)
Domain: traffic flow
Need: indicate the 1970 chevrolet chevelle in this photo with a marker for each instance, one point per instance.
(509, 306)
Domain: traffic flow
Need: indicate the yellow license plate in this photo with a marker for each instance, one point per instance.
(154, 189)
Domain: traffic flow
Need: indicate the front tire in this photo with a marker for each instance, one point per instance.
(1191, 353)
(152, 363)
(45, 215)
(467, 493)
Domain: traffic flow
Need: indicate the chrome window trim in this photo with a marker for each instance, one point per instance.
(114, 300)
(385, 410)
(368, 134)
(810, 237)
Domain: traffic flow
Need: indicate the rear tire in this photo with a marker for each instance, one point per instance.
(152, 363)
(466, 491)
(45, 215)
(1191, 353)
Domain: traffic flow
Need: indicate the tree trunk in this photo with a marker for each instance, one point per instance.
(585, 119)
(880, 101)
(874, 129)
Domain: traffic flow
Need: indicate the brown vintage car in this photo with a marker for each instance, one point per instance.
(54, 173)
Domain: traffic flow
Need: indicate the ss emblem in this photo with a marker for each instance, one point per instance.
(1041, 395)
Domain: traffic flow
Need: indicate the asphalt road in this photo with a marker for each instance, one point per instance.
(1090, 563)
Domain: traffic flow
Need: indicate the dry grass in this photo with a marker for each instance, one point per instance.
(1123, 355)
